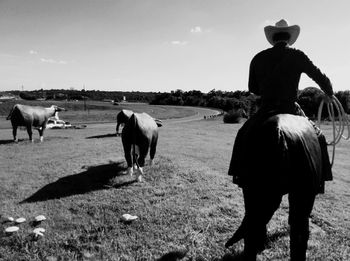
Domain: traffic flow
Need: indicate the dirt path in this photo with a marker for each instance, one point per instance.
(200, 113)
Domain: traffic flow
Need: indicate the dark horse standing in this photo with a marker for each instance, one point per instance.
(281, 154)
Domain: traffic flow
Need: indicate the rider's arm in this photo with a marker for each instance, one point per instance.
(315, 74)
(253, 85)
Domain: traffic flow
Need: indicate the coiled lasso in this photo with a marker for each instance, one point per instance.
(340, 120)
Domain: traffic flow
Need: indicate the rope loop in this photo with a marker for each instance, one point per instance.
(339, 119)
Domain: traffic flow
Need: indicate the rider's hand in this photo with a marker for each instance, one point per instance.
(328, 98)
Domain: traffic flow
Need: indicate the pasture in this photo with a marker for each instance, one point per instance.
(95, 111)
(187, 203)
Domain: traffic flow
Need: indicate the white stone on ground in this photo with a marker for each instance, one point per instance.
(40, 218)
(39, 231)
(20, 220)
(128, 217)
(11, 229)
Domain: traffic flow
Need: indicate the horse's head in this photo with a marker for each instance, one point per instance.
(56, 108)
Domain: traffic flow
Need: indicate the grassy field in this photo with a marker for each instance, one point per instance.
(95, 111)
(186, 203)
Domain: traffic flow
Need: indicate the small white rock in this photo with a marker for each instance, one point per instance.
(38, 230)
(11, 229)
(128, 217)
(11, 219)
(20, 220)
(37, 234)
(40, 218)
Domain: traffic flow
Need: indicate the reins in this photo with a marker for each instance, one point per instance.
(340, 121)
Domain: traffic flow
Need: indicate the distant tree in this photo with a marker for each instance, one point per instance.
(234, 116)
(344, 99)
(310, 99)
(27, 96)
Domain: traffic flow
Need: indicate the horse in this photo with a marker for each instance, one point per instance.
(139, 136)
(29, 117)
(281, 154)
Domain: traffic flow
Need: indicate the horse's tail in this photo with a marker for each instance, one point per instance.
(133, 139)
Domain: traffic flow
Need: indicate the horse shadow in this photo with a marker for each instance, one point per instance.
(234, 255)
(94, 178)
(4, 142)
(180, 255)
(27, 141)
(109, 135)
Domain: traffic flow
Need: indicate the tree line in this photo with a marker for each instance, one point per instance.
(242, 102)
(96, 95)
(245, 103)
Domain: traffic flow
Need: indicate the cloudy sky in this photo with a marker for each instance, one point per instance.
(160, 45)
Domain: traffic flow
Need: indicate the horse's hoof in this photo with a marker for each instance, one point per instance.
(235, 238)
(130, 171)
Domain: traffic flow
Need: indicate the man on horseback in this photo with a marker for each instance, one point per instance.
(274, 76)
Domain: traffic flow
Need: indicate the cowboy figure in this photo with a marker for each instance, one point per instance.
(274, 76)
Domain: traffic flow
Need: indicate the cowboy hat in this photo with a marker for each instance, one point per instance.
(282, 26)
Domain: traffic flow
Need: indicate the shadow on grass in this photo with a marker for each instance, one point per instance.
(36, 140)
(232, 257)
(238, 255)
(277, 235)
(179, 255)
(109, 135)
(3, 142)
(94, 178)
(173, 256)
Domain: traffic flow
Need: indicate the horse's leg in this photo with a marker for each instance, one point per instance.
(260, 205)
(238, 235)
(143, 149)
(300, 207)
(127, 154)
(41, 134)
(30, 132)
(14, 133)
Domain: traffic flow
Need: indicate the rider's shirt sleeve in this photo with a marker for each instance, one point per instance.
(315, 74)
(253, 85)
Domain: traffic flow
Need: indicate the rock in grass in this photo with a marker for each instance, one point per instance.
(12, 229)
(39, 231)
(40, 218)
(11, 219)
(128, 218)
(87, 255)
(20, 220)
(51, 258)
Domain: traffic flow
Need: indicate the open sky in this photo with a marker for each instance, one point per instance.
(160, 45)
